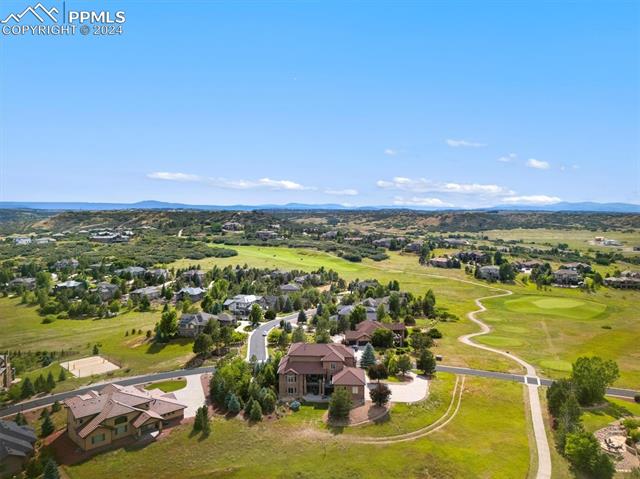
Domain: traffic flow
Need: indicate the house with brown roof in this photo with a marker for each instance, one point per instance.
(365, 329)
(100, 418)
(316, 370)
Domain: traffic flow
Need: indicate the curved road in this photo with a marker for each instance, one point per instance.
(258, 337)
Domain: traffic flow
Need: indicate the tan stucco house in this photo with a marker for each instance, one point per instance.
(97, 419)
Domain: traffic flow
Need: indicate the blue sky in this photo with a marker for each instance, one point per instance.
(364, 103)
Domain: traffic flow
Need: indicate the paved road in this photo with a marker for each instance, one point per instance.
(539, 433)
(257, 338)
(618, 392)
(47, 400)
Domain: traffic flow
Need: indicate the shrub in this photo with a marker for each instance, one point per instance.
(294, 406)
(380, 394)
(255, 413)
(434, 333)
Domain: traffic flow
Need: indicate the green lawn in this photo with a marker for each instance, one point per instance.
(548, 328)
(168, 386)
(476, 443)
(22, 329)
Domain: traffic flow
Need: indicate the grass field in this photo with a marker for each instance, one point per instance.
(477, 443)
(168, 386)
(22, 329)
(548, 328)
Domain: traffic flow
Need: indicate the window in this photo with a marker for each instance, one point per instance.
(333, 366)
(291, 390)
(123, 428)
(120, 420)
(291, 378)
(354, 389)
(97, 438)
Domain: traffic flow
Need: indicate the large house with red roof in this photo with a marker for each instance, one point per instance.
(316, 370)
(97, 419)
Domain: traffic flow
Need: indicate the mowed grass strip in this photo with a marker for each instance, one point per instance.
(478, 442)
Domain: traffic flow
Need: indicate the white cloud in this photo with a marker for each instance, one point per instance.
(538, 164)
(390, 152)
(422, 185)
(464, 144)
(420, 201)
(267, 183)
(345, 192)
(532, 199)
(508, 158)
(165, 175)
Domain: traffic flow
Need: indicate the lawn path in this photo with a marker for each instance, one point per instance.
(532, 381)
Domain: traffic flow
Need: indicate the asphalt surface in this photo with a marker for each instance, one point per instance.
(624, 393)
(257, 339)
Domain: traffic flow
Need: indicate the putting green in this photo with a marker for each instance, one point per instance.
(556, 307)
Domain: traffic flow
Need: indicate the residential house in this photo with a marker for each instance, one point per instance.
(454, 242)
(106, 291)
(442, 262)
(311, 370)
(329, 235)
(109, 237)
(527, 266)
(290, 288)
(194, 294)
(577, 266)
(70, 264)
(6, 373)
(70, 285)
(23, 283)
(365, 329)
(158, 274)
(414, 247)
(194, 276)
(42, 241)
(232, 226)
(16, 446)
(241, 304)
(22, 241)
(475, 256)
(265, 235)
(100, 418)
(382, 243)
(149, 292)
(191, 325)
(567, 277)
(627, 280)
(345, 311)
(490, 273)
(134, 271)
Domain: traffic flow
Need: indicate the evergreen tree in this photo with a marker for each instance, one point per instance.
(255, 412)
(368, 357)
(47, 427)
(20, 420)
(51, 383)
(63, 375)
(340, 403)
(51, 470)
(302, 317)
(27, 389)
(298, 335)
(233, 404)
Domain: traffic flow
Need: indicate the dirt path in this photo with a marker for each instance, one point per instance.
(451, 412)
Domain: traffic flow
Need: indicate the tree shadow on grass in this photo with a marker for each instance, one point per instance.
(611, 409)
(157, 347)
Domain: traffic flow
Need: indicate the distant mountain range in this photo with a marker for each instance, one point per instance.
(160, 205)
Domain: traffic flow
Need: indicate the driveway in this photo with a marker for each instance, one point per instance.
(192, 395)
(258, 337)
(409, 392)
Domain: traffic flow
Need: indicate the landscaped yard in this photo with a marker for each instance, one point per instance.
(476, 443)
(168, 386)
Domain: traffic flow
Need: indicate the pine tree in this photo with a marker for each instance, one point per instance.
(368, 357)
(63, 375)
(51, 383)
(27, 389)
(20, 420)
(255, 413)
(47, 426)
(233, 405)
(51, 470)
